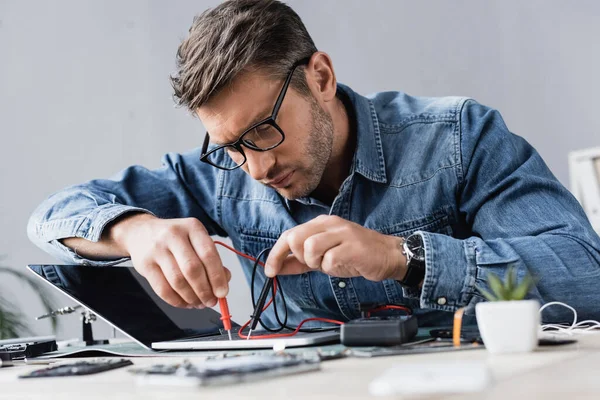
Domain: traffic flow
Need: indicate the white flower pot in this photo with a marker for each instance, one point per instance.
(509, 326)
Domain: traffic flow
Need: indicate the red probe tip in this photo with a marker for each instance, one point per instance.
(225, 316)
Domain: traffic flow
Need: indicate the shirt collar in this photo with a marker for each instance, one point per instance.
(368, 158)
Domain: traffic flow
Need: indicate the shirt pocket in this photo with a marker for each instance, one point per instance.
(435, 222)
(296, 288)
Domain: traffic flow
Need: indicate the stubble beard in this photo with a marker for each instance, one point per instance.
(317, 153)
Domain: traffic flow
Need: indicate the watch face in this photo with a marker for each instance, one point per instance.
(415, 244)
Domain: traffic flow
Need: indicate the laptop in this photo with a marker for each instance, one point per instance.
(123, 298)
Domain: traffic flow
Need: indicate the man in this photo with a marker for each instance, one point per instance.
(387, 199)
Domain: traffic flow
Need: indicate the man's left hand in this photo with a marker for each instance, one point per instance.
(337, 247)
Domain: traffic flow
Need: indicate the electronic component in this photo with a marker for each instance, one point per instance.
(5, 360)
(20, 351)
(332, 354)
(79, 368)
(379, 331)
(226, 370)
(429, 345)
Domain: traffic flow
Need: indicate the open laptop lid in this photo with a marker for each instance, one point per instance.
(124, 299)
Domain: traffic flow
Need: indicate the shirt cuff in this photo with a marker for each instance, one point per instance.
(450, 272)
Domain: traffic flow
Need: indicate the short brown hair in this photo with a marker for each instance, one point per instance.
(235, 36)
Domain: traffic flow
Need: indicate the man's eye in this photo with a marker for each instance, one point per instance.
(262, 128)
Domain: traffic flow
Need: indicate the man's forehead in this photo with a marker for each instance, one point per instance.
(249, 99)
(226, 127)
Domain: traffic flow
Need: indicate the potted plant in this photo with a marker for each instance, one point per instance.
(12, 322)
(507, 322)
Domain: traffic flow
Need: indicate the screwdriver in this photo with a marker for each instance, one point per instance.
(225, 316)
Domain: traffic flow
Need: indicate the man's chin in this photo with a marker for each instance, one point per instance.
(288, 193)
(293, 192)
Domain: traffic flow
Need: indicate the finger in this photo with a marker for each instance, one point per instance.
(228, 274)
(298, 235)
(193, 269)
(167, 263)
(277, 255)
(161, 287)
(291, 266)
(209, 256)
(336, 263)
(317, 245)
(293, 241)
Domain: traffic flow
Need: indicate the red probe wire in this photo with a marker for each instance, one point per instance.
(279, 335)
(390, 307)
(226, 317)
(223, 305)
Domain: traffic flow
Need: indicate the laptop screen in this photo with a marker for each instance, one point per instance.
(124, 299)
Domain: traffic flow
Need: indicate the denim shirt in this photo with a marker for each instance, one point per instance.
(481, 197)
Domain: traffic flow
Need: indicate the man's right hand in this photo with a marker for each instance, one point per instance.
(176, 256)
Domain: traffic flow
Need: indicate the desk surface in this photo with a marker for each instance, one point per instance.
(549, 373)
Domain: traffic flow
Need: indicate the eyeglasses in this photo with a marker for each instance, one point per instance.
(262, 136)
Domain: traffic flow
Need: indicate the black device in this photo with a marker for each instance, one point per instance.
(125, 299)
(414, 251)
(20, 351)
(379, 331)
(5, 360)
(79, 368)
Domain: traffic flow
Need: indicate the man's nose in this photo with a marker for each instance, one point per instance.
(259, 163)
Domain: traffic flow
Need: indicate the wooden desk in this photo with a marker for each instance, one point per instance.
(561, 372)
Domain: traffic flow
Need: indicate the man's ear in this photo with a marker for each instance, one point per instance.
(320, 77)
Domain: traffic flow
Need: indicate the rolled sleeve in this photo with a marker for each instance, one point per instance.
(47, 234)
(89, 227)
(180, 188)
(450, 272)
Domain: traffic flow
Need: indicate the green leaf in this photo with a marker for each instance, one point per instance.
(511, 279)
(12, 320)
(497, 287)
(486, 294)
(521, 291)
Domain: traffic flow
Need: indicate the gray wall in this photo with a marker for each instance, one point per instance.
(84, 89)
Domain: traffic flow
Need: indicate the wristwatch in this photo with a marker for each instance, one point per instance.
(414, 251)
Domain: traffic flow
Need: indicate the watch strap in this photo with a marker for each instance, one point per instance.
(415, 273)
(415, 270)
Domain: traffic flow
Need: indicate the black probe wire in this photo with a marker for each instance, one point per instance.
(254, 268)
(282, 325)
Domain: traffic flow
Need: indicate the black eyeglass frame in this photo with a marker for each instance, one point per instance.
(270, 120)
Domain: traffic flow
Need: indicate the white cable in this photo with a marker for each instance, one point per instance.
(576, 327)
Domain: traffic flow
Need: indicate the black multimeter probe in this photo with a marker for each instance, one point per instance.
(260, 305)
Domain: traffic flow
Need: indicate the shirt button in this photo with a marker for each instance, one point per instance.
(342, 284)
(441, 301)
